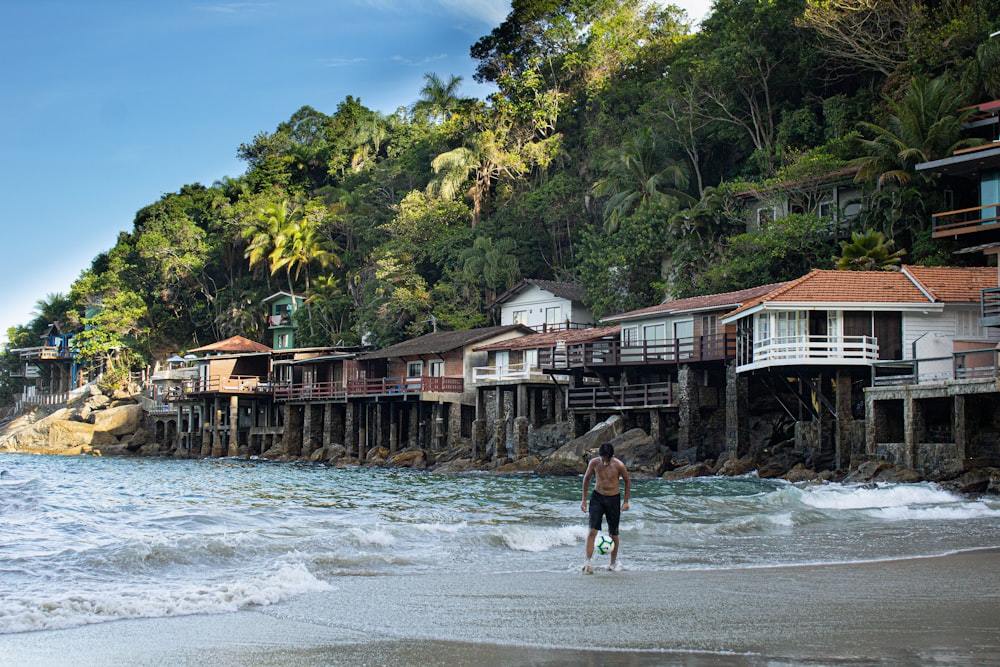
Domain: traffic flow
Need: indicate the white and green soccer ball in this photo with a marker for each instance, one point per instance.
(604, 544)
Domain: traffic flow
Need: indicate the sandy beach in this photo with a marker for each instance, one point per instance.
(943, 610)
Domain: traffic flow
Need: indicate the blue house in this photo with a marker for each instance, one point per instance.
(282, 318)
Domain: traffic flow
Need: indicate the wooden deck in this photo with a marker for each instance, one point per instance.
(659, 394)
(966, 221)
(608, 354)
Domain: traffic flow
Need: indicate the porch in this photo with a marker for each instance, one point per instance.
(803, 350)
(395, 386)
(611, 353)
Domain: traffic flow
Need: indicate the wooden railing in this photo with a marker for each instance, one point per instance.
(966, 365)
(287, 391)
(508, 372)
(230, 384)
(822, 350)
(965, 220)
(990, 307)
(658, 394)
(414, 385)
(716, 347)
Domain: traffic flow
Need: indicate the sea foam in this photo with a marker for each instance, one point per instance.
(22, 615)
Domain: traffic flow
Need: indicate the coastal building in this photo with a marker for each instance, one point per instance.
(518, 394)
(666, 370)
(544, 305)
(50, 368)
(816, 344)
(283, 319)
(420, 392)
(833, 196)
(217, 412)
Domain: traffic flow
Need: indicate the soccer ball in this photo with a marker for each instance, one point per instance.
(604, 544)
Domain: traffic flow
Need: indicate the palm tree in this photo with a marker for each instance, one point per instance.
(869, 251)
(263, 231)
(924, 125)
(491, 265)
(439, 100)
(638, 174)
(298, 244)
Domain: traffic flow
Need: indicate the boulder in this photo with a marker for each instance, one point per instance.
(522, 464)
(898, 475)
(866, 472)
(800, 473)
(688, 471)
(120, 420)
(410, 458)
(67, 434)
(974, 481)
(640, 453)
(572, 458)
(376, 456)
(735, 467)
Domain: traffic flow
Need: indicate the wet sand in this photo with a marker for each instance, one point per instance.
(942, 610)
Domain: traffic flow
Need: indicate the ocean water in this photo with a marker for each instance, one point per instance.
(90, 540)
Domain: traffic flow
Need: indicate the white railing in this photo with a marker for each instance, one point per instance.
(494, 373)
(814, 350)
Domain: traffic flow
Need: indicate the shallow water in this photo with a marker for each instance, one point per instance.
(87, 540)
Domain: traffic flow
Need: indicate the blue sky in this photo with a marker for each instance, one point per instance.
(106, 105)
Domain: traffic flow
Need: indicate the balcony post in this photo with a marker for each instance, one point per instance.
(737, 412)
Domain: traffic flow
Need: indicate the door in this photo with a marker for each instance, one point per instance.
(889, 332)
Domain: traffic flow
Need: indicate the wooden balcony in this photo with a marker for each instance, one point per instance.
(966, 221)
(659, 394)
(809, 351)
(990, 307)
(228, 384)
(607, 354)
(404, 386)
(983, 364)
(315, 391)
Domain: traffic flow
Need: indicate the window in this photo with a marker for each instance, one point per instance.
(414, 369)
(283, 341)
(553, 315)
(827, 210)
(520, 317)
(630, 335)
(765, 216)
(967, 324)
(435, 369)
(709, 325)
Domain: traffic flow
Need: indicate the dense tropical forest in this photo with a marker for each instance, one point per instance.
(617, 151)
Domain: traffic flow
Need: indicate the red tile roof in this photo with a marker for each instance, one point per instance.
(954, 284)
(911, 285)
(234, 345)
(549, 339)
(725, 301)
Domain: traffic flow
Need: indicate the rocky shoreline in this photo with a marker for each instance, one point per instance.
(97, 424)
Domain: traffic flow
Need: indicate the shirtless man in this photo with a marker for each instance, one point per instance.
(605, 500)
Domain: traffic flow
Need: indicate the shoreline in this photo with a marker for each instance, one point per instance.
(917, 610)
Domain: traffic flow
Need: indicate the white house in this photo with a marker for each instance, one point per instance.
(858, 318)
(544, 305)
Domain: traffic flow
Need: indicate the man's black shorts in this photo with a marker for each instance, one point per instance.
(609, 506)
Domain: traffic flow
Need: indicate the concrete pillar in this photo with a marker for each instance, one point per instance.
(737, 412)
(437, 427)
(453, 432)
(328, 412)
(216, 428)
(845, 419)
(521, 433)
(656, 427)
(521, 408)
(958, 428)
(688, 413)
(500, 426)
(393, 429)
(413, 425)
(234, 426)
(350, 427)
(292, 438)
(363, 415)
(913, 420)
(308, 431)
